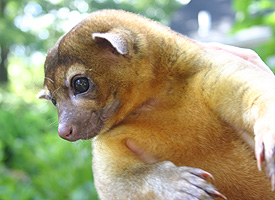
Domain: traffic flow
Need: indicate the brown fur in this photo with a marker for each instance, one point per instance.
(175, 99)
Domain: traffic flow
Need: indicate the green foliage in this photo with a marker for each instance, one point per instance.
(261, 13)
(34, 162)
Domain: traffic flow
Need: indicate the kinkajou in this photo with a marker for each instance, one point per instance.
(163, 110)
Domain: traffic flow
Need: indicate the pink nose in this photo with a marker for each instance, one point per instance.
(66, 132)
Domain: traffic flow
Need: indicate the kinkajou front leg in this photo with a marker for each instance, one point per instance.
(153, 179)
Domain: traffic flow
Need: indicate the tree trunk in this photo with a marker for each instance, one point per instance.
(4, 51)
(3, 65)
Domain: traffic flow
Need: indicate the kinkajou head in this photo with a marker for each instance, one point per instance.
(87, 73)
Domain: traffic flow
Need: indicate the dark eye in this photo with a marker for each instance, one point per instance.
(54, 101)
(80, 84)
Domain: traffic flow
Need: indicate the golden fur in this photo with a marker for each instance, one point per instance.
(158, 92)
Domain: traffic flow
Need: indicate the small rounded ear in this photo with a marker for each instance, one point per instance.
(115, 39)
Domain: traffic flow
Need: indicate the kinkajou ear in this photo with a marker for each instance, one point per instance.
(115, 39)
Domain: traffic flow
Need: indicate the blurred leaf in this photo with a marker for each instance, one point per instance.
(257, 13)
(241, 5)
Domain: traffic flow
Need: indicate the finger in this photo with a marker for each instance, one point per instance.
(270, 169)
(203, 185)
(270, 161)
(269, 152)
(184, 195)
(214, 193)
(246, 54)
(194, 191)
(140, 152)
(197, 172)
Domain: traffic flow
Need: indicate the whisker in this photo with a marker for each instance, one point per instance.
(49, 79)
(55, 122)
(43, 106)
(108, 130)
(55, 91)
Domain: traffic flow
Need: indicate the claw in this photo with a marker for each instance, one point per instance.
(207, 175)
(259, 152)
(259, 161)
(218, 194)
(200, 173)
(215, 193)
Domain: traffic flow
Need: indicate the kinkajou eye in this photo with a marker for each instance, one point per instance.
(80, 84)
(53, 101)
